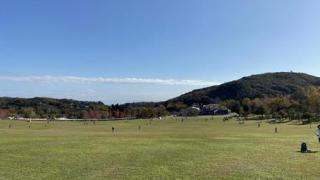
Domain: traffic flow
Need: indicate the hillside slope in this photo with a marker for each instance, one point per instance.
(255, 86)
(42, 107)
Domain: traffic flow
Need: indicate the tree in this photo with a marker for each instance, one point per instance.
(233, 105)
(313, 98)
(260, 106)
(28, 113)
(4, 113)
(176, 106)
(246, 105)
(279, 104)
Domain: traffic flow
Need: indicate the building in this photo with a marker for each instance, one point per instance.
(214, 109)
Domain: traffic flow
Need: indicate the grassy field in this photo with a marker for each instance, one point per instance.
(198, 148)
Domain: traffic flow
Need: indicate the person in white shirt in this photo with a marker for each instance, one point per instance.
(318, 133)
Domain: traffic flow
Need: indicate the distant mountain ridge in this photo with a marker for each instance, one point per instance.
(264, 86)
(255, 86)
(43, 107)
(9, 102)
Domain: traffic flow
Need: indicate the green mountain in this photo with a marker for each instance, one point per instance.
(41, 107)
(260, 89)
(255, 86)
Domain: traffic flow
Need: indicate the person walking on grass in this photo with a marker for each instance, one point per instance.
(318, 133)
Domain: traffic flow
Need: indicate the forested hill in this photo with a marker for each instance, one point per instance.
(255, 86)
(265, 93)
(41, 107)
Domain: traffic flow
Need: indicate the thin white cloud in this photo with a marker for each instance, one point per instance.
(76, 79)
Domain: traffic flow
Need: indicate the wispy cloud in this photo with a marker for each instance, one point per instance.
(77, 79)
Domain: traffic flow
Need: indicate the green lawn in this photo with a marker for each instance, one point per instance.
(198, 148)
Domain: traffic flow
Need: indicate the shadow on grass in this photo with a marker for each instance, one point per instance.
(291, 122)
(309, 151)
(278, 121)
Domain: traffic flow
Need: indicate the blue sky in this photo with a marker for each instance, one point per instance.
(101, 43)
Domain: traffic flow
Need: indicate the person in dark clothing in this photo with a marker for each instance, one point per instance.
(304, 148)
(318, 133)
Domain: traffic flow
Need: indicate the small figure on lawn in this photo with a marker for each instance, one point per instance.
(318, 133)
(303, 148)
(113, 129)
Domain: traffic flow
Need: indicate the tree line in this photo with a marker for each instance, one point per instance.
(304, 103)
(48, 108)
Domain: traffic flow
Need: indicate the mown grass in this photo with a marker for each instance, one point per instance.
(198, 148)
